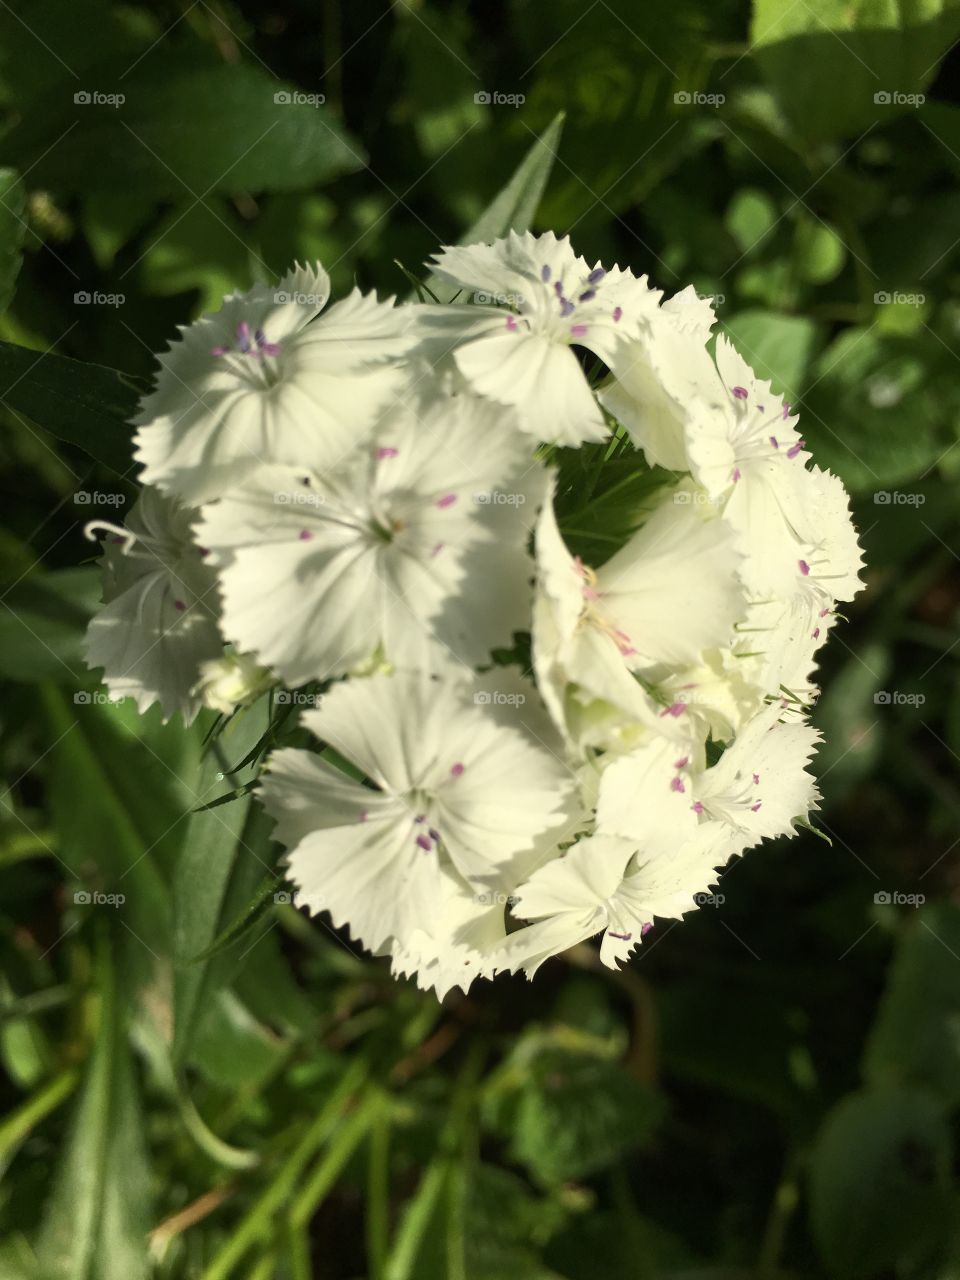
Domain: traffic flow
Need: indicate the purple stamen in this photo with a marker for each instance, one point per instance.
(795, 449)
(179, 605)
(596, 275)
(306, 535)
(682, 763)
(456, 770)
(420, 818)
(578, 330)
(624, 937)
(675, 709)
(617, 313)
(736, 474)
(243, 336)
(740, 393)
(804, 567)
(434, 835)
(447, 500)
(386, 451)
(645, 930)
(558, 288)
(587, 295)
(754, 808)
(424, 843)
(566, 307)
(816, 634)
(677, 784)
(786, 411)
(511, 324)
(697, 807)
(545, 273)
(775, 442)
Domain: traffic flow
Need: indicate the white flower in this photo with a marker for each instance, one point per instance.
(246, 386)
(671, 592)
(545, 301)
(759, 787)
(653, 381)
(453, 788)
(235, 680)
(605, 884)
(415, 549)
(158, 623)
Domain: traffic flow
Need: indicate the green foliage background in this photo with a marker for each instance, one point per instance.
(199, 1082)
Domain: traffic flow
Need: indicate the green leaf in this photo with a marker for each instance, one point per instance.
(232, 1049)
(84, 404)
(777, 346)
(916, 1037)
(828, 60)
(569, 1110)
(12, 231)
(95, 1226)
(218, 842)
(515, 206)
(42, 622)
(880, 1187)
(188, 127)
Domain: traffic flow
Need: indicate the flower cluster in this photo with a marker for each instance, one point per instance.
(521, 740)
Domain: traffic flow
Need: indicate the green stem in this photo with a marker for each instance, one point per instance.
(20, 1123)
(378, 1195)
(354, 1130)
(259, 1218)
